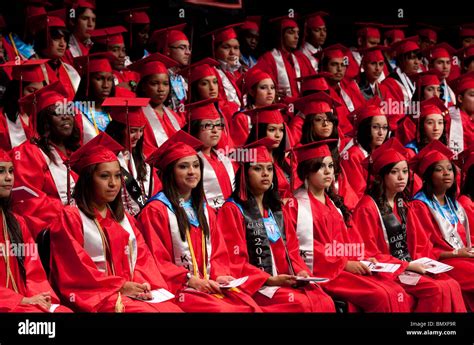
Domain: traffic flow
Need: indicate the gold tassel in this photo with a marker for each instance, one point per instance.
(119, 307)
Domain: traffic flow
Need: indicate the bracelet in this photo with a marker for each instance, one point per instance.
(455, 252)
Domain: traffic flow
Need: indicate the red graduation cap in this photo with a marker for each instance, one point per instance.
(391, 151)
(371, 108)
(434, 152)
(431, 106)
(4, 157)
(442, 50)
(35, 11)
(179, 145)
(466, 52)
(26, 70)
(101, 149)
(430, 77)
(462, 83)
(405, 46)
(167, 36)
(335, 51)
(284, 22)
(267, 114)
(120, 107)
(96, 62)
(155, 63)
(223, 34)
(315, 20)
(467, 30)
(252, 23)
(395, 32)
(85, 4)
(428, 31)
(372, 54)
(251, 78)
(314, 82)
(368, 29)
(136, 15)
(204, 109)
(317, 149)
(201, 69)
(316, 103)
(465, 159)
(109, 36)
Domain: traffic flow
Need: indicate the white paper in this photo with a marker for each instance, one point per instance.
(269, 291)
(434, 266)
(158, 296)
(234, 283)
(313, 279)
(409, 278)
(381, 267)
(53, 308)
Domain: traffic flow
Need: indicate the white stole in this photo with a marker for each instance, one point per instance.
(347, 100)
(304, 227)
(283, 80)
(16, 131)
(93, 244)
(456, 131)
(309, 50)
(59, 173)
(181, 252)
(212, 188)
(88, 130)
(155, 124)
(448, 90)
(229, 89)
(407, 86)
(74, 47)
(74, 77)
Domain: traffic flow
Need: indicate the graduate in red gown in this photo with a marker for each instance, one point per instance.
(258, 89)
(444, 219)
(182, 233)
(162, 121)
(440, 57)
(284, 63)
(268, 122)
(371, 126)
(314, 37)
(83, 23)
(262, 245)
(393, 233)
(24, 286)
(207, 125)
(320, 123)
(345, 91)
(100, 262)
(141, 180)
(372, 71)
(322, 223)
(15, 124)
(466, 161)
(40, 163)
(462, 116)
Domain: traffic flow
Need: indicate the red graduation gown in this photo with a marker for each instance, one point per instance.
(438, 293)
(463, 267)
(392, 93)
(32, 171)
(468, 129)
(156, 230)
(5, 142)
(376, 293)
(80, 282)
(345, 190)
(222, 176)
(468, 206)
(36, 281)
(307, 299)
(240, 129)
(356, 174)
(126, 76)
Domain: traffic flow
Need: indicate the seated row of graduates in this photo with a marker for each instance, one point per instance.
(100, 254)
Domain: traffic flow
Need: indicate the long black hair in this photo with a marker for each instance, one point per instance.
(83, 195)
(197, 199)
(271, 198)
(117, 131)
(11, 97)
(42, 38)
(313, 165)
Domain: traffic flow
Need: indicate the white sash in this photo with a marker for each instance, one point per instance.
(450, 232)
(74, 47)
(284, 85)
(347, 100)
(357, 57)
(212, 188)
(182, 255)
(73, 76)
(408, 88)
(229, 89)
(304, 227)
(16, 131)
(88, 130)
(456, 131)
(93, 244)
(309, 50)
(59, 173)
(452, 96)
(155, 124)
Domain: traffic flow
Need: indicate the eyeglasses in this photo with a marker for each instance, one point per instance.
(378, 128)
(322, 120)
(210, 126)
(182, 47)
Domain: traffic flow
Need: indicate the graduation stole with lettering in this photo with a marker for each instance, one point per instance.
(258, 243)
(6, 257)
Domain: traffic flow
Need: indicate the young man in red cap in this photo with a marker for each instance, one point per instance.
(314, 37)
(248, 37)
(284, 63)
(138, 24)
(466, 55)
(174, 43)
(372, 71)
(463, 114)
(367, 36)
(440, 58)
(82, 24)
(346, 92)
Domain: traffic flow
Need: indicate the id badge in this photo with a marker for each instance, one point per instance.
(273, 232)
